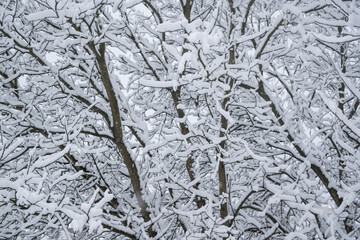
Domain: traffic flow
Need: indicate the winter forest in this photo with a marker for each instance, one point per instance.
(179, 119)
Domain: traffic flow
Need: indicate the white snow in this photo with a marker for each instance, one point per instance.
(48, 13)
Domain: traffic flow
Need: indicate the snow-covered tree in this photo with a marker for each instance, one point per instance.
(180, 119)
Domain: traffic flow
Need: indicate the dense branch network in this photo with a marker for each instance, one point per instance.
(179, 119)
